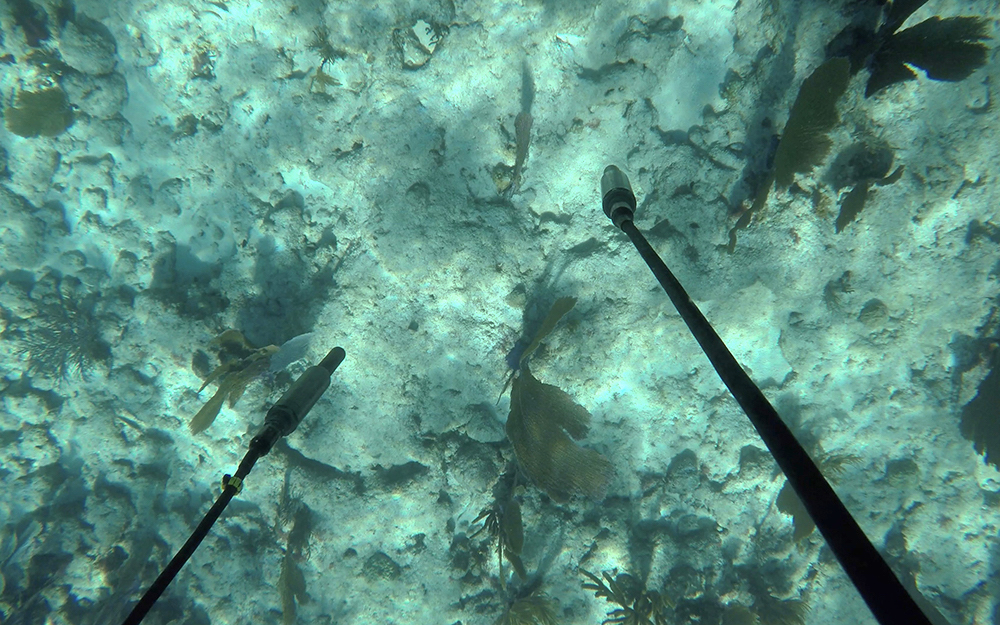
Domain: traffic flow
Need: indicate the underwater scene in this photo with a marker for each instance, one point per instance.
(201, 200)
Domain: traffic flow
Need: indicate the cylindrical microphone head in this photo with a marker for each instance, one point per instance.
(333, 359)
(613, 178)
(616, 196)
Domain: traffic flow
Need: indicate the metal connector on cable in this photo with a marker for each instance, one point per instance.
(298, 400)
(617, 196)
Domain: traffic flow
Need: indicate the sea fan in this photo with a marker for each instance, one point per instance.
(947, 49)
(805, 141)
(543, 425)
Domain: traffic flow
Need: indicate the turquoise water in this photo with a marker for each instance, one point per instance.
(200, 200)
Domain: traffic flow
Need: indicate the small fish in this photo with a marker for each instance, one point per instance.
(522, 135)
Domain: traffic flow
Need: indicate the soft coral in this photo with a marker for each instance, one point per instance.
(947, 49)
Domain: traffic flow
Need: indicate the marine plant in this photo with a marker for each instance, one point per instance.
(636, 604)
(328, 53)
(860, 166)
(64, 336)
(203, 61)
(502, 522)
(295, 523)
(805, 142)
(524, 348)
(544, 422)
(788, 502)
(535, 609)
(321, 45)
(854, 201)
(543, 425)
(781, 611)
(522, 138)
(948, 49)
(241, 363)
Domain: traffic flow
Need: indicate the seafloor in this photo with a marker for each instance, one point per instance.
(345, 171)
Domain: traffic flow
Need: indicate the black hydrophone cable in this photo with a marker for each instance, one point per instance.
(281, 420)
(879, 587)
